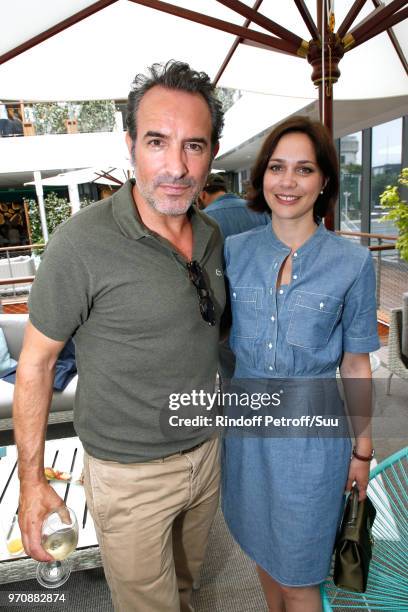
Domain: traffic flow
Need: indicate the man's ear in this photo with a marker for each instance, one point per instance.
(203, 197)
(215, 150)
(129, 143)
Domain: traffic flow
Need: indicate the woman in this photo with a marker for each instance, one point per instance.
(303, 304)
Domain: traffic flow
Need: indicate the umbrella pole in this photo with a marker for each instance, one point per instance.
(325, 73)
(40, 197)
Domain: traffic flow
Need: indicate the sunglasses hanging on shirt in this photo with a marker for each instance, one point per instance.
(206, 304)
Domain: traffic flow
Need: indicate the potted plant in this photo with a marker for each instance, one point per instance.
(397, 211)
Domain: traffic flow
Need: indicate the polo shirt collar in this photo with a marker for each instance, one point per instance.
(128, 219)
(203, 230)
(126, 214)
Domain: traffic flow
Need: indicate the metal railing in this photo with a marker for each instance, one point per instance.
(391, 270)
(12, 280)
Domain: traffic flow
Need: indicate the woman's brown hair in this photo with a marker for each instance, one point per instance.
(326, 158)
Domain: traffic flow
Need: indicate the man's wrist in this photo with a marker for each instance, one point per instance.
(33, 479)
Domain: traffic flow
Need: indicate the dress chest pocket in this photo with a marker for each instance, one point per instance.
(313, 318)
(245, 304)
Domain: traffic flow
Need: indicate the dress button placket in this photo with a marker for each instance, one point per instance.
(271, 345)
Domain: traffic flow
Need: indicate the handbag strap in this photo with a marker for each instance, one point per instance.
(353, 506)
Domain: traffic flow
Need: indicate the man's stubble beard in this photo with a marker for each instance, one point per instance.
(167, 207)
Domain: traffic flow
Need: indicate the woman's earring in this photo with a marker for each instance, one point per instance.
(321, 191)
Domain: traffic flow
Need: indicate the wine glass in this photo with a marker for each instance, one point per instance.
(59, 537)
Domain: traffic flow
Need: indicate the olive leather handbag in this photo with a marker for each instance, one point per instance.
(353, 549)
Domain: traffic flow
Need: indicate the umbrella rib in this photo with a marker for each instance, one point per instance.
(350, 17)
(307, 18)
(395, 42)
(378, 18)
(254, 36)
(234, 47)
(56, 29)
(108, 176)
(352, 41)
(262, 20)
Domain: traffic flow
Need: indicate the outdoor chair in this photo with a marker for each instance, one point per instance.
(387, 588)
(397, 362)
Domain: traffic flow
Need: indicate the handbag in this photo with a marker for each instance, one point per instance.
(353, 549)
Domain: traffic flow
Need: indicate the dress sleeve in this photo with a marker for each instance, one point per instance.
(60, 297)
(360, 312)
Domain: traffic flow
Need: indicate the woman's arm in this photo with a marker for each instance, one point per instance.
(355, 371)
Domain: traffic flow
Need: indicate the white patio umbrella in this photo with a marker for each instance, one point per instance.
(82, 49)
(108, 176)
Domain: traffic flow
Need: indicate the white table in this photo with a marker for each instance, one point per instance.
(15, 568)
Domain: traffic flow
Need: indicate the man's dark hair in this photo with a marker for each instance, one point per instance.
(215, 183)
(175, 75)
(326, 158)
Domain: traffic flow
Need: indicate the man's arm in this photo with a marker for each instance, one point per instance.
(32, 399)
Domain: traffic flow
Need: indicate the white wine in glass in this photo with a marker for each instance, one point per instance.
(59, 537)
(61, 543)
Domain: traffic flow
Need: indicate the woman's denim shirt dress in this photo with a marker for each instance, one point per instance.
(300, 329)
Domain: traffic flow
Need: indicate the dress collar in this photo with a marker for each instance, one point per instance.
(311, 243)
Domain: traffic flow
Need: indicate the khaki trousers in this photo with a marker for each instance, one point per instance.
(152, 522)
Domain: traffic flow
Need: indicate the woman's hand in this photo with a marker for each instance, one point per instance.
(358, 473)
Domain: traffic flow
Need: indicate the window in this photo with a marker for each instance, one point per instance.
(350, 182)
(385, 168)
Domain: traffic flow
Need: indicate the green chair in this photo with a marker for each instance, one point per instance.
(387, 588)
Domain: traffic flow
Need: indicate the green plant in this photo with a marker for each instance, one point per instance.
(96, 116)
(85, 201)
(93, 116)
(397, 211)
(57, 210)
(50, 117)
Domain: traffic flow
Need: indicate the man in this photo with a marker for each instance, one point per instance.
(136, 280)
(231, 212)
(233, 217)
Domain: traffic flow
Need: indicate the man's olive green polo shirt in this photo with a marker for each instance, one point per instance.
(125, 295)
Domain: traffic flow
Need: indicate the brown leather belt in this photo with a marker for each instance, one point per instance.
(188, 450)
(193, 448)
